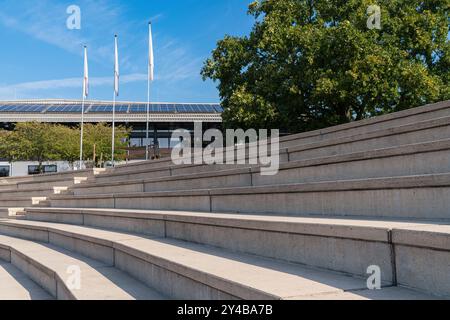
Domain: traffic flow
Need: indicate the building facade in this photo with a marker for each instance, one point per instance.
(164, 119)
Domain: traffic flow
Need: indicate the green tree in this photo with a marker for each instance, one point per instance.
(309, 64)
(66, 143)
(43, 142)
(100, 136)
(35, 142)
(9, 146)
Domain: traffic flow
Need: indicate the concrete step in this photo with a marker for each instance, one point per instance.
(42, 192)
(165, 171)
(427, 131)
(416, 159)
(52, 268)
(437, 110)
(67, 175)
(422, 197)
(22, 202)
(15, 285)
(430, 130)
(9, 213)
(51, 183)
(411, 116)
(400, 248)
(185, 270)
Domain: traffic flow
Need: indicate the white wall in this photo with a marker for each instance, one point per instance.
(20, 169)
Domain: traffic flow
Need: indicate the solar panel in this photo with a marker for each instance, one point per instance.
(207, 108)
(138, 108)
(189, 108)
(23, 108)
(101, 109)
(69, 108)
(120, 108)
(168, 108)
(123, 108)
(181, 108)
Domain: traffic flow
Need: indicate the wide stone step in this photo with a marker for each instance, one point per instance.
(43, 192)
(422, 196)
(165, 171)
(9, 213)
(53, 268)
(51, 183)
(427, 131)
(21, 202)
(347, 245)
(66, 175)
(15, 285)
(416, 159)
(411, 116)
(437, 110)
(431, 130)
(185, 270)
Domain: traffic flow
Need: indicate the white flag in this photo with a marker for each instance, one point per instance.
(86, 75)
(151, 63)
(116, 69)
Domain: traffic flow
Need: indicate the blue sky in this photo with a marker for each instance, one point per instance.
(40, 58)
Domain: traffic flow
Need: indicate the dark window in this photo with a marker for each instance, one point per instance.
(32, 170)
(4, 171)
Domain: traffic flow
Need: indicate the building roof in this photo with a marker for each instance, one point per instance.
(101, 111)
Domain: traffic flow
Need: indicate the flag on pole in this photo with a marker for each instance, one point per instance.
(116, 69)
(151, 62)
(86, 75)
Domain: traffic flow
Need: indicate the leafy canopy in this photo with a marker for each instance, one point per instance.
(309, 64)
(41, 142)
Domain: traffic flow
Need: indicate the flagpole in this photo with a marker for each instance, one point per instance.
(85, 93)
(148, 116)
(149, 79)
(82, 133)
(113, 129)
(116, 93)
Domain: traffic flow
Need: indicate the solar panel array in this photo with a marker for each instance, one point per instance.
(23, 108)
(175, 108)
(65, 109)
(108, 108)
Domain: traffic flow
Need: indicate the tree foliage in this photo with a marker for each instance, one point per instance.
(43, 142)
(309, 64)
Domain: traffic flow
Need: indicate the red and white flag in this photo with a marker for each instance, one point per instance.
(116, 68)
(86, 75)
(151, 62)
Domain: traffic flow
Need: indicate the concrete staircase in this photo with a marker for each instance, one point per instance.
(346, 199)
(27, 191)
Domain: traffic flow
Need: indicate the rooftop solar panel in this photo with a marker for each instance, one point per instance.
(181, 108)
(22, 108)
(219, 109)
(108, 108)
(66, 109)
(168, 108)
(137, 108)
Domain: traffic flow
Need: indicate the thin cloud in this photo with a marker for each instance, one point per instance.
(176, 63)
(27, 88)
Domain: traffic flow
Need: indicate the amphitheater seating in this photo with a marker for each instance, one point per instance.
(368, 193)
